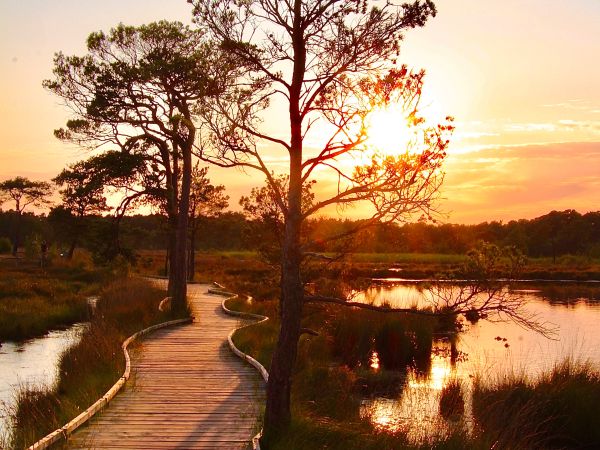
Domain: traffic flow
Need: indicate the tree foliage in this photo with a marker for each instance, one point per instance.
(24, 193)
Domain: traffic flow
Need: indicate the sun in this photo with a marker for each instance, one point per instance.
(388, 131)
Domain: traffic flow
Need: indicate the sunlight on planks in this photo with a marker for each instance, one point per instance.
(187, 390)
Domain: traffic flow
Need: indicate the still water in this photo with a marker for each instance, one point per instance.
(33, 362)
(486, 350)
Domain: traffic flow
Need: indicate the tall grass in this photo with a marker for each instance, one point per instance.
(558, 410)
(34, 300)
(89, 368)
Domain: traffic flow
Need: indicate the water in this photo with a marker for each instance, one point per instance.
(32, 362)
(487, 350)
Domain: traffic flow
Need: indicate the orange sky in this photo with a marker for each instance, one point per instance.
(521, 79)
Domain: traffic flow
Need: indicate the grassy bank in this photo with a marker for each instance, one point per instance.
(558, 410)
(373, 265)
(88, 369)
(333, 372)
(34, 300)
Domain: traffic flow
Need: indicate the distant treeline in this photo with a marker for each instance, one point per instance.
(554, 234)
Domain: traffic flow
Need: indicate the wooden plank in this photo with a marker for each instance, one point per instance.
(187, 390)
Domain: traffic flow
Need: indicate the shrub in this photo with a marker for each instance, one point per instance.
(5, 245)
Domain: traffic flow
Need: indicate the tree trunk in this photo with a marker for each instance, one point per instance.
(72, 248)
(192, 255)
(172, 261)
(179, 292)
(167, 257)
(277, 413)
(17, 235)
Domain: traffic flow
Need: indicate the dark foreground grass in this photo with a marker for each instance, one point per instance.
(88, 369)
(314, 433)
(34, 300)
(556, 411)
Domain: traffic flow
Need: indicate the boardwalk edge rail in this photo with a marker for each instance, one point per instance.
(86, 415)
(220, 290)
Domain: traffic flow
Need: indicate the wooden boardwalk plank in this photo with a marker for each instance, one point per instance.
(187, 390)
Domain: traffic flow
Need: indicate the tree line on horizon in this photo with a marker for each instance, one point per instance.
(551, 235)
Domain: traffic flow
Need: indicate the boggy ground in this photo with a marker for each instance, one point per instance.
(34, 300)
(89, 368)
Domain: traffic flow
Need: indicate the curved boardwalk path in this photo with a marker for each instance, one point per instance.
(187, 390)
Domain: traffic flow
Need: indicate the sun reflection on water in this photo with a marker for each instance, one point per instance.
(416, 411)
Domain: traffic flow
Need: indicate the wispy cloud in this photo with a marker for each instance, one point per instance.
(575, 104)
(528, 127)
(511, 182)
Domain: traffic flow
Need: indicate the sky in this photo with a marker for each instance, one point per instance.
(521, 79)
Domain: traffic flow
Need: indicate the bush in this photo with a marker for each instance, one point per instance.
(5, 245)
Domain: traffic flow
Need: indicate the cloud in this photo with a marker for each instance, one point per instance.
(522, 181)
(575, 104)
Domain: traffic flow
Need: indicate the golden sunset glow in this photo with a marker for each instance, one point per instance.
(527, 105)
(389, 132)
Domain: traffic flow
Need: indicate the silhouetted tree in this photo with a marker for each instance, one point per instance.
(267, 219)
(24, 193)
(137, 89)
(327, 61)
(82, 195)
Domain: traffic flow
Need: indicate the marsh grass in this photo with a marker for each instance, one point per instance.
(452, 401)
(332, 374)
(35, 300)
(317, 433)
(90, 367)
(557, 410)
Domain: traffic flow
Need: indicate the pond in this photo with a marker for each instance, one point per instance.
(32, 362)
(486, 350)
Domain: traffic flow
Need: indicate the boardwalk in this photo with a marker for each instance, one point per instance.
(187, 391)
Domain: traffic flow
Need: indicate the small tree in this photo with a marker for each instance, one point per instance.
(267, 219)
(82, 195)
(24, 193)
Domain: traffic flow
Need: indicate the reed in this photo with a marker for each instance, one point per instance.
(559, 409)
